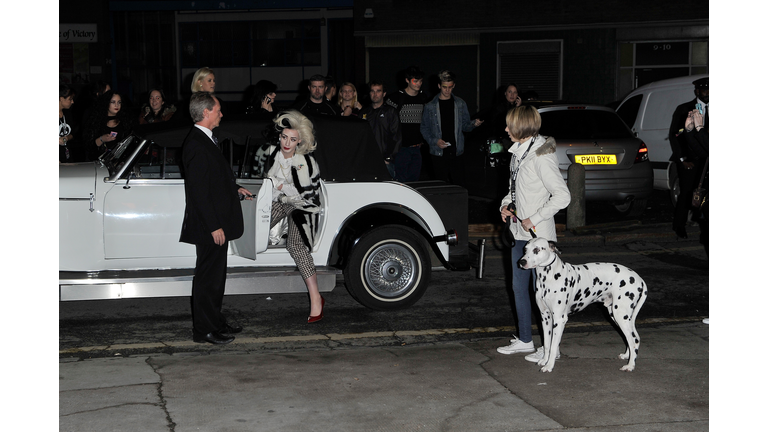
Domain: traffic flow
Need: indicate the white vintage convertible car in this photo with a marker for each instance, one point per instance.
(120, 220)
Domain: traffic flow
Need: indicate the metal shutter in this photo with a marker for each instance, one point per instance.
(533, 66)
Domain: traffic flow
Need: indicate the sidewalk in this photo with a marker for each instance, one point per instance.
(600, 234)
(463, 386)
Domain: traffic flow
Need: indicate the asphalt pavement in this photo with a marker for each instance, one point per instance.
(329, 384)
(431, 387)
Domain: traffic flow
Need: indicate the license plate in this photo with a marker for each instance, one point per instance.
(595, 159)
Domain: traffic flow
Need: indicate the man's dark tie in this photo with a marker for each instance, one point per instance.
(215, 140)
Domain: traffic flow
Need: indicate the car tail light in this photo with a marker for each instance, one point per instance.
(642, 153)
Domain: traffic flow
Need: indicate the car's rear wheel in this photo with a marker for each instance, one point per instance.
(633, 208)
(388, 268)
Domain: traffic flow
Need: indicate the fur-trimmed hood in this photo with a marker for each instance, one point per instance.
(549, 146)
(542, 145)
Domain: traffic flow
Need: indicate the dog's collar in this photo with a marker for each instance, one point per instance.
(554, 258)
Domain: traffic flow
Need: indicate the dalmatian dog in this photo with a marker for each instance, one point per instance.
(563, 289)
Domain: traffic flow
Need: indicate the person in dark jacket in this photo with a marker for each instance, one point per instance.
(108, 125)
(316, 103)
(689, 165)
(385, 122)
(264, 96)
(212, 217)
(697, 139)
(156, 110)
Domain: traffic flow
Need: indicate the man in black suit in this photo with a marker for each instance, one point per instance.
(689, 165)
(211, 218)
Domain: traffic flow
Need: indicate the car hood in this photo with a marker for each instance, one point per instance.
(77, 180)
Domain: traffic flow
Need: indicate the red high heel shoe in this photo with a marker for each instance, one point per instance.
(316, 318)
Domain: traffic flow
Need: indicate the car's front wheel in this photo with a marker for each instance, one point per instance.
(388, 268)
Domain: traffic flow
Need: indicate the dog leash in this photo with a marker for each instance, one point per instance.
(510, 239)
(511, 207)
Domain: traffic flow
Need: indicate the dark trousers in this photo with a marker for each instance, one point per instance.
(408, 164)
(208, 288)
(689, 180)
(449, 169)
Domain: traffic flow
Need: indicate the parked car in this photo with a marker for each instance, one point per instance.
(615, 161)
(648, 112)
(120, 220)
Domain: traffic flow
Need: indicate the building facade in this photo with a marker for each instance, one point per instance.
(592, 52)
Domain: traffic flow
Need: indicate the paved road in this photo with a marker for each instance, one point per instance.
(456, 306)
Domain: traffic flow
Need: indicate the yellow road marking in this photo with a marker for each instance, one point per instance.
(368, 335)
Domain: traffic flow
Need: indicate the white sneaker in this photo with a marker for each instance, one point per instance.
(517, 346)
(538, 355)
(705, 320)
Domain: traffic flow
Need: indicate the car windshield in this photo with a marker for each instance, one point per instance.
(583, 124)
(116, 158)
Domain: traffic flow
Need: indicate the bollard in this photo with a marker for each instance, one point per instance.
(480, 257)
(576, 213)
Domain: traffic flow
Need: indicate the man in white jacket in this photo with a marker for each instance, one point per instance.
(538, 191)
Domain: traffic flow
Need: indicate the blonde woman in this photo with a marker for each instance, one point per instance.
(296, 179)
(348, 104)
(204, 80)
(537, 191)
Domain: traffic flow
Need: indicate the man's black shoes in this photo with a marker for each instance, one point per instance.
(228, 329)
(213, 337)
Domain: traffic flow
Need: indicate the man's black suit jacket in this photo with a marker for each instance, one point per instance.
(678, 143)
(210, 190)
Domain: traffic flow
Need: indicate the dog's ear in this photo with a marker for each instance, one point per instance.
(553, 247)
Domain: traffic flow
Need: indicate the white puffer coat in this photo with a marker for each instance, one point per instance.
(540, 190)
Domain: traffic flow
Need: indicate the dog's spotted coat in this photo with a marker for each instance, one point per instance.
(563, 289)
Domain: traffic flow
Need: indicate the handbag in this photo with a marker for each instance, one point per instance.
(700, 193)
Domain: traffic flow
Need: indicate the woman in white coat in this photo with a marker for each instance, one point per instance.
(296, 179)
(538, 192)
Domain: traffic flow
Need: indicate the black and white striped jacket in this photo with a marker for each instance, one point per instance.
(306, 179)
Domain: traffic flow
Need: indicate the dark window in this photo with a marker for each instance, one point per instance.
(583, 124)
(629, 109)
(250, 43)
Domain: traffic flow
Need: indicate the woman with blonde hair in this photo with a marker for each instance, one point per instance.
(348, 103)
(296, 181)
(536, 192)
(204, 80)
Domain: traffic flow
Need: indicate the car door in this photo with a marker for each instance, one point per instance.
(256, 216)
(143, 215)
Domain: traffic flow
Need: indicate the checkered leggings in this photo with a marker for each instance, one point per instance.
(295, 245)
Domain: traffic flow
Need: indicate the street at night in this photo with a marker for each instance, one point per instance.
(302, 216)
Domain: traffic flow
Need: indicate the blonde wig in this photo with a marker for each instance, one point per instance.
(295, 120)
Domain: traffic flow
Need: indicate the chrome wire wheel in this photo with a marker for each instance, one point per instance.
(390, 269)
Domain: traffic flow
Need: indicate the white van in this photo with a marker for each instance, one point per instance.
(648, 112)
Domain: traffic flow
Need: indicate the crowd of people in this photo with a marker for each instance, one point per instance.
(93, 122)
